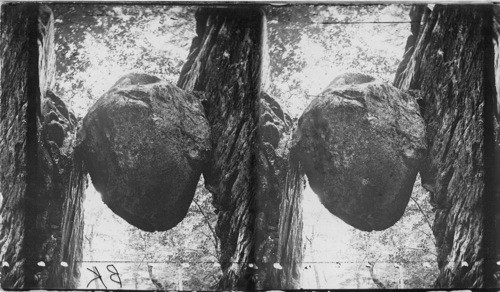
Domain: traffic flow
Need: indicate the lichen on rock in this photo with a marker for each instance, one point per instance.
(361, 145)
(145, 143)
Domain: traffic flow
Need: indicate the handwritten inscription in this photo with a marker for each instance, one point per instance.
(114, 275)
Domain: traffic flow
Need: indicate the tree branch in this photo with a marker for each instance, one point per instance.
(155, 281)
(425, 217)
(209, 226)
(377, 282)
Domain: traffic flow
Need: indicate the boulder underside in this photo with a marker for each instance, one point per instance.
(361, 146)
(145, 143)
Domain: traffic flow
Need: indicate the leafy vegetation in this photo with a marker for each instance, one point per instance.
(310, 44)
(183, 257)
(340, 256)
(97, 44)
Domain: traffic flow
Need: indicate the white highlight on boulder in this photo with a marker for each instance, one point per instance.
(185, 265)
(498, 263)
(426, 264)
(64, 264)
(41, 264)
(464, 264)
(250, 265)
(5, 264)
(277, 266)
(216, 265)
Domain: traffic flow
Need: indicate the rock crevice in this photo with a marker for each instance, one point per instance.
(249, 151)
(452, 66)
(37, 158)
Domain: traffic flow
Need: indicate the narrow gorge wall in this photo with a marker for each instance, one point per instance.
(450, 58)
(42, 184)
(248, 173)
(257, 187)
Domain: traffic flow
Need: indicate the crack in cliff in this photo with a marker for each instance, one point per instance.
(490, 160)
(32, 161)
(450, 134)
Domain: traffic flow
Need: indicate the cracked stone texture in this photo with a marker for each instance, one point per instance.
(451, 61)
(42, 183)
(145, 143)
(259, 214)
(361, 145)
(278, 226)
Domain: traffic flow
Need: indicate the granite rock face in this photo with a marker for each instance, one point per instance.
(145, 144)
(277, 201)
(42, 183)
(257, 199)
(59, 182)
(452, 63)
(225, 64)
(361, 146)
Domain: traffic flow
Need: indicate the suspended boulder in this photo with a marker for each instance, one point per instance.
(361, 143)
(145, 143)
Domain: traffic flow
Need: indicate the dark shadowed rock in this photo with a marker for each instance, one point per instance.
(361, 146)
(61, 182)
(278, 197)
(273, 122)
(257, 198)
(145, 143)
(58, 122)
(42, 182)
(457, 86)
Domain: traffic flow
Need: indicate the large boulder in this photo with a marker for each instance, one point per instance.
(361, 143)
(145, 143)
